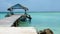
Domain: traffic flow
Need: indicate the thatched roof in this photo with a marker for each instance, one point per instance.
(17, 6)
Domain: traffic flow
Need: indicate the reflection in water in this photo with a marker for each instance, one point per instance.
(24, 24)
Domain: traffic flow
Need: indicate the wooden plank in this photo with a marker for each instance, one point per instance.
(8, 21)
(17, 30)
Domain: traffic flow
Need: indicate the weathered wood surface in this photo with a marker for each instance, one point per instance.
(8, 21)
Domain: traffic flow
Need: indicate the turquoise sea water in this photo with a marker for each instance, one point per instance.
(41, 21)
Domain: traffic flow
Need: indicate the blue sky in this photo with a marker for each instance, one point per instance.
(33, 5)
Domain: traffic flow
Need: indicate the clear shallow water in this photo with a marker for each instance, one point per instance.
(2, 15)
(42, 21)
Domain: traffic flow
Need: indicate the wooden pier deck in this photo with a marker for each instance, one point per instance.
(8, 21)
(17, 30)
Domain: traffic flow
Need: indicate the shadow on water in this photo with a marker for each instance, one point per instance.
(24, 24)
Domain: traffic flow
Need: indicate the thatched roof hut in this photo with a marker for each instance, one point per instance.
(17, 6)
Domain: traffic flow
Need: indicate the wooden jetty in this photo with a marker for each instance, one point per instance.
(9, 21)
(17, 30)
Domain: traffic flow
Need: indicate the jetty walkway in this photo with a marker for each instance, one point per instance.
(9, 21)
